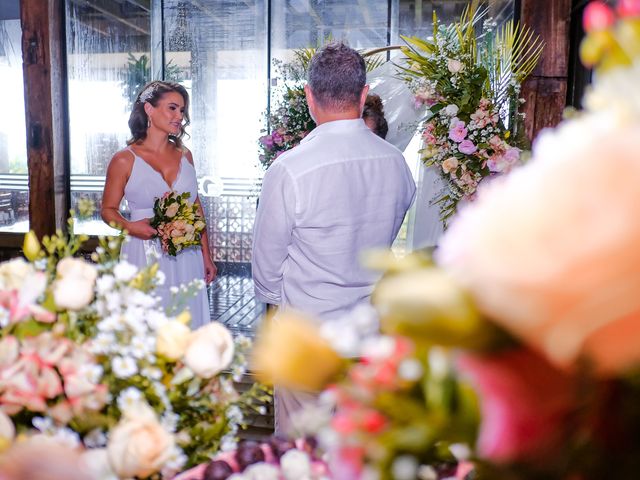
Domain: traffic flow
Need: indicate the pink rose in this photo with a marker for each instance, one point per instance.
(267, 141)
(481, 118)
(524, 403)
(278, 139)
(457, 132)
(467, 147)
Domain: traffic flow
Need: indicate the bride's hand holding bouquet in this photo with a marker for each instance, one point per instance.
(178, 222)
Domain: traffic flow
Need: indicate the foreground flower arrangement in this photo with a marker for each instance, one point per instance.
(471, 89)
(89, 359)
(532, 302)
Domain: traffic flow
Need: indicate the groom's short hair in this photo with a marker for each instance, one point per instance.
(337, 75)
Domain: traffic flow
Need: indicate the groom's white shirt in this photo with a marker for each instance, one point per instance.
(342, 191)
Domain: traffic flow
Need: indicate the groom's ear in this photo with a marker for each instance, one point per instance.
(363, 97)
(311, 102)
(309, 94)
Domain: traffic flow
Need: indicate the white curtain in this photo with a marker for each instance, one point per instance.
(425, 227)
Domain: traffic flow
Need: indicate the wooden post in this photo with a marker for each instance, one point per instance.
(44, 64)
(545, 91)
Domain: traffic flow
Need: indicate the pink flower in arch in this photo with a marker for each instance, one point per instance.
(457, 132)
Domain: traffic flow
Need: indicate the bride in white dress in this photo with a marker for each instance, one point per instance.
(154, 162)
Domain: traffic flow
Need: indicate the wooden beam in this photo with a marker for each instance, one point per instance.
(44, 65)
(546, 89)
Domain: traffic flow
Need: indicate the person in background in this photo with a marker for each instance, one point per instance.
(373, 115)
(342, 191)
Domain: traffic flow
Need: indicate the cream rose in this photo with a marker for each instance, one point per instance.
(139, 446)
(172, 339)
(455, 66)
(13, 273)
(172, 210)
(551, 251)
(74, 287)
(210, 350)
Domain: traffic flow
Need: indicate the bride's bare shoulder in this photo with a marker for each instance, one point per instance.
(122, 160)
(187, 154)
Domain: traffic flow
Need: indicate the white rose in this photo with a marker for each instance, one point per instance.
(210, 350)
(451, 110)
(455, 66)
(139, 446)
(73, 289)
(295, 465)
(262, 471)
(172, 339)
(172, 210)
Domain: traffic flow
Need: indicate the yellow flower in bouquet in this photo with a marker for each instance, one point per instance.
(178, 222)
(290, 352)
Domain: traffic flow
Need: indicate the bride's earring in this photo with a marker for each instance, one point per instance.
(148, 123)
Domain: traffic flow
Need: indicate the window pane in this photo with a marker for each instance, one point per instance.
(218, 50)
(308, 23)
(14, 193)
(108, 61)
(416, 16)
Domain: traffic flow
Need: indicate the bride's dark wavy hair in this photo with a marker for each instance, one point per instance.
(152, 93)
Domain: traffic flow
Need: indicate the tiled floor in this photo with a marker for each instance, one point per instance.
(233, 303)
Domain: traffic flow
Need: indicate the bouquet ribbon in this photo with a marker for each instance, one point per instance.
(152, 249)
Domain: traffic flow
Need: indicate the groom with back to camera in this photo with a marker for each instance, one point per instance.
(342, 191)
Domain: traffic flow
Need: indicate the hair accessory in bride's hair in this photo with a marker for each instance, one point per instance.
(148, 92)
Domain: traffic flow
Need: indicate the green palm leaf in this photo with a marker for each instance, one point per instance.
(511, 56)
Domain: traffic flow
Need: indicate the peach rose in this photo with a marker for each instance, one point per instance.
(139, 446)
(551, 253)
(450, 165)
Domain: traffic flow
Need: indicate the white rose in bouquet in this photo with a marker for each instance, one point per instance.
(139, 446)
(210, 350)
(172, 210)
(13, 273)
(73, 289)
(172, 339)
